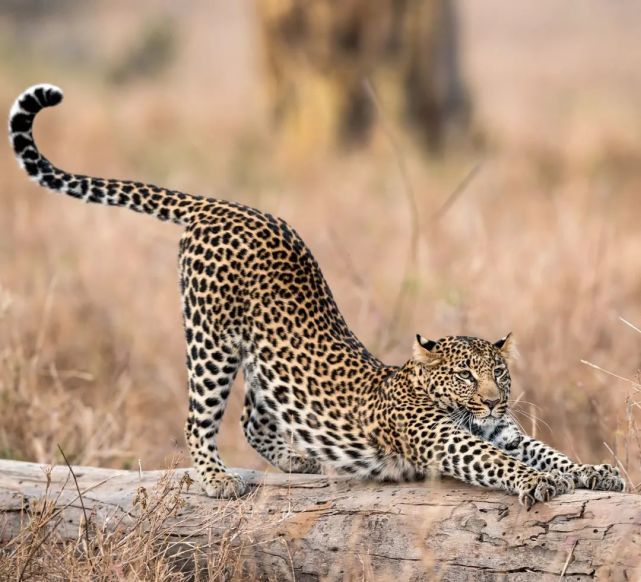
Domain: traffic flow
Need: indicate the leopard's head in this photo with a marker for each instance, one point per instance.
(465, 374)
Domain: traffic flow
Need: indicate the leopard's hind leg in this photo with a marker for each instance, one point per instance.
(210, 382)
(264, 435)
(213, 360)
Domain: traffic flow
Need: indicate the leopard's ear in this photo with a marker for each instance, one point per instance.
(424, 351)
(507, 347)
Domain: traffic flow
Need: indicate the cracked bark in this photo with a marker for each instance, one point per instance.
(312, 527)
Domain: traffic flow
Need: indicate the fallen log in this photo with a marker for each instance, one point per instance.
(311, 527)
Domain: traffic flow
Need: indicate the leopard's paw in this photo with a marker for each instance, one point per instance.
(224, 486)
(301, 464)
(539, 487)
(564, 483)
(597, 477)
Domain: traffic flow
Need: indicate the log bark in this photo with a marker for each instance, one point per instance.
(314, 527)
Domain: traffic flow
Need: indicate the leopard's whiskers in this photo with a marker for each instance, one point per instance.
(521, 401)
(531, 417)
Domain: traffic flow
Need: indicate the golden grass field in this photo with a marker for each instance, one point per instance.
(544, 241)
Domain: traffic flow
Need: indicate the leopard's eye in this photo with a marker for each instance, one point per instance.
(500, 371)
(465, 375)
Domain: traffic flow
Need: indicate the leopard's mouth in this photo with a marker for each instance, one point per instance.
(487, 413)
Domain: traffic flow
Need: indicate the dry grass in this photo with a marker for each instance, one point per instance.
(544, 241)
(139, 543)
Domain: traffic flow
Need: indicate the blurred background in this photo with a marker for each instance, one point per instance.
(456, 168)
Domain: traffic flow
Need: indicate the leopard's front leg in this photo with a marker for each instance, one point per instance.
(543, 457)
(506, 435)
(457, 453)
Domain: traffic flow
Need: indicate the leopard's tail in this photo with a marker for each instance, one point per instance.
(159, 202)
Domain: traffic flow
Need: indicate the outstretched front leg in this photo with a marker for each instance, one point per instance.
(458, 453)
(505, 434)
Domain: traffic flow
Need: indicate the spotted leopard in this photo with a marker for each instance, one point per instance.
(254, 299)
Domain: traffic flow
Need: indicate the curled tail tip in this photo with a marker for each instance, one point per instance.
(21, 117)
(30, 101)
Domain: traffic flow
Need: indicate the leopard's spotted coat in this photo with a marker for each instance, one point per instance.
(255, 299)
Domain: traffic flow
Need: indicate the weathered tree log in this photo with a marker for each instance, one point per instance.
(317, 527)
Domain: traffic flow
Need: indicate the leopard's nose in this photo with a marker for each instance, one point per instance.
(491, 403)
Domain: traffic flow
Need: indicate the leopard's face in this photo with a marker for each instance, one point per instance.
(466, 374)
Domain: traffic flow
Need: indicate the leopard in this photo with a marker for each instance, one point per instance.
(254, 300)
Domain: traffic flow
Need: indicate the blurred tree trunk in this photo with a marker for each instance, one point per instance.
(319, 54)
